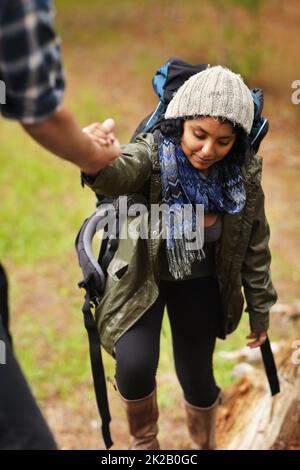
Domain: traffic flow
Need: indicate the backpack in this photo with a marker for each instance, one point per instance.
(168, 78)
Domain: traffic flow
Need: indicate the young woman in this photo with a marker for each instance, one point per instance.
(202, 156)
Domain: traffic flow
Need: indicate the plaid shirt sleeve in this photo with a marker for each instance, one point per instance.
(31, 70)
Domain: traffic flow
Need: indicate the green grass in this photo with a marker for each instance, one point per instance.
(42, 200)
(56, 364)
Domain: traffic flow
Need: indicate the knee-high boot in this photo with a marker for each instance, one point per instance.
(201, 424)
(142, 415)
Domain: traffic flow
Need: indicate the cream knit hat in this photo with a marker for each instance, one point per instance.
(217, 92)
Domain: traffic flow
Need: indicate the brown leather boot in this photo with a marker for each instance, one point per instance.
(142, 416)
(201, 424)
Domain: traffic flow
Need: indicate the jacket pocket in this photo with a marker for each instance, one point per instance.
(235, 308)
(117, 268)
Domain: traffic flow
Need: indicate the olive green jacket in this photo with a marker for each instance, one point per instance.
(242, 254)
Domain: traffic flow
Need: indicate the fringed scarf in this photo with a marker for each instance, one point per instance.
(221, 192)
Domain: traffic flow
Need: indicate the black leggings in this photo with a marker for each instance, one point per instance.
(194, 312)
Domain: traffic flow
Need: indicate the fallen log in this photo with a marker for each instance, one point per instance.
(251, 419)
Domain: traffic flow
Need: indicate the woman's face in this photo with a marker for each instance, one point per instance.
(206, 141)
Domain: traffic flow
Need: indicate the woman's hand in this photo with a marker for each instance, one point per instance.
(259, 339)
(105, 145)
(102, 134)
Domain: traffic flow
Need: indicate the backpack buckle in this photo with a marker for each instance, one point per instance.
(96, 301)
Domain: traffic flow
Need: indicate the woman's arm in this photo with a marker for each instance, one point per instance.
(259, 291)
(128, 173)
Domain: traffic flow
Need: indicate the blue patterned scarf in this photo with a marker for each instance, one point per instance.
(221, 192)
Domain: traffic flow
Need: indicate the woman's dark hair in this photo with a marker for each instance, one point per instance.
(240, 152)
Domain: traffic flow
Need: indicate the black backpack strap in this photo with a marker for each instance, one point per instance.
(109, 247)
(97, 369)
(4, 310)
(94, 283)
(270, 367)
(155, 180)
(155, 155)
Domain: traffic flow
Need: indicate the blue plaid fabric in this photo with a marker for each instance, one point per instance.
(31, 70)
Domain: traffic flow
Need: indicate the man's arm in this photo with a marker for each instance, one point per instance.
(60, 134)
(31, 67)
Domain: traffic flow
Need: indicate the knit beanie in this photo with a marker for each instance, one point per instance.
(216, 92)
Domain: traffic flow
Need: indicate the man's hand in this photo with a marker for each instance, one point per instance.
(91, 149)
(259, 339)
